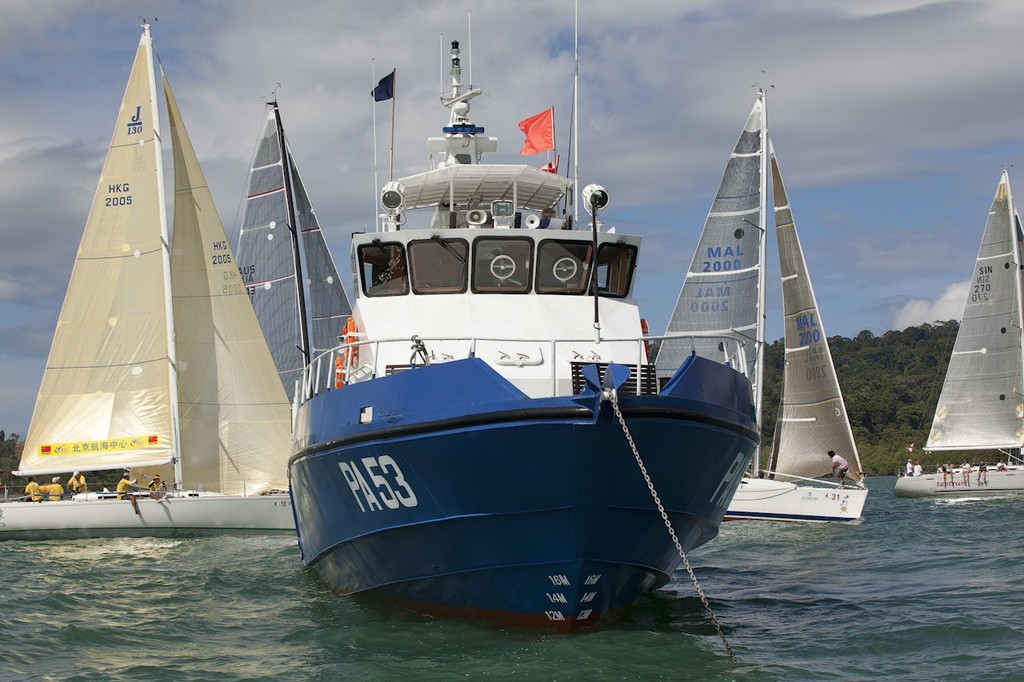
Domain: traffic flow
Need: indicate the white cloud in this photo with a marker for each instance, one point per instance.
(948, 306)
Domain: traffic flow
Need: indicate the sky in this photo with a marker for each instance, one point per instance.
(892, 121)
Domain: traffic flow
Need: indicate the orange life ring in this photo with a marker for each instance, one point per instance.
(347, 359)
(647, 344)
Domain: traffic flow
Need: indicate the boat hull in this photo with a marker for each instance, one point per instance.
(528, 511)
(171, 516)
(932, 485)
(762, 499)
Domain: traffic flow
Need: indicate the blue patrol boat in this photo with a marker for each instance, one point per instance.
(491, 439)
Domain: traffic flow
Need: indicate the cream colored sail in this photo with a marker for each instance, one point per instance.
(235, 417)
(107, 389)
(812, 416)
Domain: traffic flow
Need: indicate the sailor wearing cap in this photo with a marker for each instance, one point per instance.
(56, 489)
(76, 484)
(123, 485)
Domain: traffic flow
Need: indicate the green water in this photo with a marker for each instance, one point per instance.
(921, 590)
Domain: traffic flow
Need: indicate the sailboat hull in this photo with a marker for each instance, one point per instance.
(762, 499)
(525, 511)
(197, 514)
(933, 485)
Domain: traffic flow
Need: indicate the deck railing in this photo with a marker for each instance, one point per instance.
(324, 371)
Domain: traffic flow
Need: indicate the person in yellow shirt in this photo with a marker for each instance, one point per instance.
(76, 484)
(157, 488)
(56, 490)
(32, 489)
(123, 486)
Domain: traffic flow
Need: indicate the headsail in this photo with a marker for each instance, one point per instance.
(812, 418)
(724, 287)
(235, 417)
(981, 405)
(268, 251)
(108, 386)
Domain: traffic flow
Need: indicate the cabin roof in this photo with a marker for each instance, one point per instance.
(472, 185)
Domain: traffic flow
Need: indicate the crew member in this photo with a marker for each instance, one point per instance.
(76, 484)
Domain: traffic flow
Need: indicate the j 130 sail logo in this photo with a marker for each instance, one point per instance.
(135, 124)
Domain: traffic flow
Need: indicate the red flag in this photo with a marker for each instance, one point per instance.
(540, 132)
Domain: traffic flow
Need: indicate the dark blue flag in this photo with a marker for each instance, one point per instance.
(385, 88)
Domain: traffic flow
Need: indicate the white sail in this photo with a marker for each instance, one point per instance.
(235, 417)
(982, 401)
(105, 400)
(812, 416)
(724, 286)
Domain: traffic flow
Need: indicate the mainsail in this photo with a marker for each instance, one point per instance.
(724, 286)
(235, 417)
(812, 416)
(107, 391)
(981, 405)
(269, 259)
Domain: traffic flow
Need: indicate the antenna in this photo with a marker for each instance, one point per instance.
(373, 117)
(469, 17)
(576, 119)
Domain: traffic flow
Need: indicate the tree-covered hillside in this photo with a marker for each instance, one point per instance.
(890, 383)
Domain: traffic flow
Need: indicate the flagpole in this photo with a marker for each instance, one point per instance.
(394, 96)
(554, 136)
(373, 116)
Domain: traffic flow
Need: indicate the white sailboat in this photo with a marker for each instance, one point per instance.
(158, 363)
(812, 417)
(284, 260)
(724, 290)
(981, 406)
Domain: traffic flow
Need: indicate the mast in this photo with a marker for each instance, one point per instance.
(166, 260)
(293, 232)
(1014, 239)
(761, 278)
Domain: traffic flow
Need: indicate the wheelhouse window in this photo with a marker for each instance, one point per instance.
(502, 266)
(563, 267)
(615, 266)
(439, 266)
(383, 269)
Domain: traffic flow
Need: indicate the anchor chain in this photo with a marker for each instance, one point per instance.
(612, 395)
